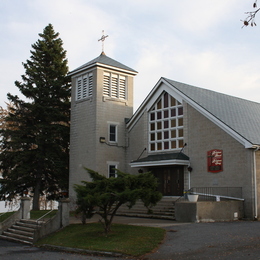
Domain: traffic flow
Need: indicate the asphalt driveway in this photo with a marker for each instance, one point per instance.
(225, 240)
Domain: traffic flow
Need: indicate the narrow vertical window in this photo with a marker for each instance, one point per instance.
(84, 86)
(106, 84)
(113, 133)
(112, 171)
(90, 84)
(114, 85)
(79, 88)
(122, 87)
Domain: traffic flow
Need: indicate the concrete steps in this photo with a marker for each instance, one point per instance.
(22, 231)
(164, 209)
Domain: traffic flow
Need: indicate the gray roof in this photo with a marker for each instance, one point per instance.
(103, 59)
(163, 157)
(241, 115)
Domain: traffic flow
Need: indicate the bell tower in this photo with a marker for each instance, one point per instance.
(101, 102)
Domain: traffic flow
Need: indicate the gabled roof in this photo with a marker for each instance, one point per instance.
(238, 117)
(104, 61)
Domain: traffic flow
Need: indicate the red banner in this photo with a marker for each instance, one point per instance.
(215, 160)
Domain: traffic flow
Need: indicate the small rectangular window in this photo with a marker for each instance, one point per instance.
(159, 115)
(112, 171)
(166, 145)
(113, 133)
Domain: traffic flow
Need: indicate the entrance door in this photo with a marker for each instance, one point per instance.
(171, 180)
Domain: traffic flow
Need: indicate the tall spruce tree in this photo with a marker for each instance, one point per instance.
(35, 145)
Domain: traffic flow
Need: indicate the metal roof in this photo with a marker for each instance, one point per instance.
(176, 158)
(164, 156)
(102, 59)
(242, 116)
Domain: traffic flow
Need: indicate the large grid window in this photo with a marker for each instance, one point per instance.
(114, 85)
(166, 124)
(84, 86)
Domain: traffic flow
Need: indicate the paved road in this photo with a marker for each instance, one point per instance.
(17, 251)
(202, 241)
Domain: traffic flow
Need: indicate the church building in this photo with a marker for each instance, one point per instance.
(188, 137)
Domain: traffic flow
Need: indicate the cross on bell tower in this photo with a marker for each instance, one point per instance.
(103, 39)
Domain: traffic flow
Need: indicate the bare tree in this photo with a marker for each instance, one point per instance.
(250, 19)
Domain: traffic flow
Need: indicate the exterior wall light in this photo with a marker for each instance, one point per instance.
(102, 140)
(190, 169)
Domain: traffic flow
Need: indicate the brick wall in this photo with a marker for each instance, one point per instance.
(90, 119)
(201, 135)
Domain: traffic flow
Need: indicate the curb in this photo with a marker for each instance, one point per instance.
(83, 251)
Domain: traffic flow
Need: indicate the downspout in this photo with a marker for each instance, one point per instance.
(189, 180)
(189, 171)
(255, 183)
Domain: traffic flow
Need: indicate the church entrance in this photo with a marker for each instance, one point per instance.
(171, 180)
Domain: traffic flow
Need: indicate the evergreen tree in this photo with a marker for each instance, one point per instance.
(35, 146)
(104, 196)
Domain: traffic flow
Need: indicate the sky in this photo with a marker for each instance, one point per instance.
(198, 42)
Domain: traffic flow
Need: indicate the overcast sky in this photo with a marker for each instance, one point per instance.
(198, 42)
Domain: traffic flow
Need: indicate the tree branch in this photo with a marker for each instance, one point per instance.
(250, 19)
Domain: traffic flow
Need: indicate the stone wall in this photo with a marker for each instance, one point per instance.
(209, 211)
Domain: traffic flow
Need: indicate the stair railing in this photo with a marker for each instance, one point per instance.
(59, 220)
(37, 220)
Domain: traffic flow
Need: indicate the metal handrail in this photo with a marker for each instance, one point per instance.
(44, 215)
(217, 196)
(180, 197)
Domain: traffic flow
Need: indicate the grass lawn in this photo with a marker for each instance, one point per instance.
(5, 215)
(124, 239)
(36, 214)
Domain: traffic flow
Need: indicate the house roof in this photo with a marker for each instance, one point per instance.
(238, 117)
(105, 61)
